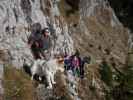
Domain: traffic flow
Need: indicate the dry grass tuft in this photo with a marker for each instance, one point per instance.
(17, 85)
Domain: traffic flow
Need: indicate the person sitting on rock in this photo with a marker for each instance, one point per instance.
(46, 42)
(34, 41)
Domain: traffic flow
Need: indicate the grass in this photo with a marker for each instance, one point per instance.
(124, 89)
(109, 38)
(17, 85)
(86, 88)
(60, 90)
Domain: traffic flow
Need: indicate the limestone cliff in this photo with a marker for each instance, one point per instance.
(90, 26)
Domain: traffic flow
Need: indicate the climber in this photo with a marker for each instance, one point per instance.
(83, 61)
(34, 40)
(76, 63)
(46, 42)
(67, 62)
(46, 39)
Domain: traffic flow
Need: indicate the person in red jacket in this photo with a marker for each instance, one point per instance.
(76, 63)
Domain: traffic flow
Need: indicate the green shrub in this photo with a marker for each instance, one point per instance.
(106, 73)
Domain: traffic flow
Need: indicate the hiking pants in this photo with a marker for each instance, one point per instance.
(36, 53)
(81, 72)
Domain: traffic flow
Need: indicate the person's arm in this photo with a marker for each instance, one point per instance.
(51, 44)
(37, 44)
(51, 41)
(30, 43)
(30, 40)
(80, 61)
(41, 55)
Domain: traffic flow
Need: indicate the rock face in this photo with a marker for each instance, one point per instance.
(123, 10)
(101, 10)
(87, 25)
(16, 19)
(101, 34)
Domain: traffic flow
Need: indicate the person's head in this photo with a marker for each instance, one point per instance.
(75, 58)
(36, 28)
(77, 54)
(46, 32)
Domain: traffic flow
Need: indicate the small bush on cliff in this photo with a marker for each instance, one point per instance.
(124, 89)
(106, 73)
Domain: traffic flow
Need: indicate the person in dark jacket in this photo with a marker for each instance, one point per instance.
(67, 62)
(46, 39)
(83, 61)
(45, 43)
(34, 41)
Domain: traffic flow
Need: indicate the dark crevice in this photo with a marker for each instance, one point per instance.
(123, 10)
(75, 25)
(107, 51)
(73, 3)
(99, 47)
(90, 45)
(15, 14)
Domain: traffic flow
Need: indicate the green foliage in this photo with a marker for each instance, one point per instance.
(17, 85)
(108, 96)
(129, 78)
(106, 73)
(124, 90)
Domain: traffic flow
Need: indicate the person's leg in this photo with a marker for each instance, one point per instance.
(81, 72)
(65, 67)
(43, 53)
(33, 53)
(52, 78)
(73, 69)
(78, 72)
(36, 53)
(68, 66)
(49, 80)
